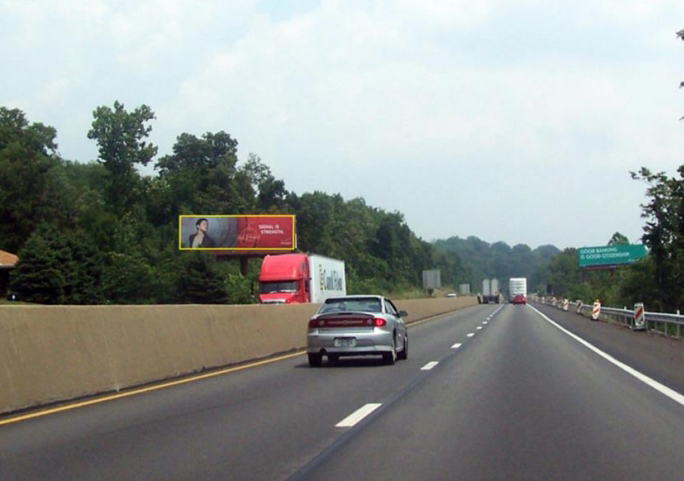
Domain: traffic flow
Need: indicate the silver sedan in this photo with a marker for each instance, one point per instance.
(357, 326)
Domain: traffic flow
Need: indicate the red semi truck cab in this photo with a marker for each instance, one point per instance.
(300, 278)
(284, 279)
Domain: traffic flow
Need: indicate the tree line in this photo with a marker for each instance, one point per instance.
(482, 260)
(100, 232)
(657, 280)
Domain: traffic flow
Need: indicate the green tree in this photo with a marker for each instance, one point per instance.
(202, 176)
(128, 278)
(28, 197)
(81, 267)
(58, 268)
(239, 289)
(658, 230)
(618, 240)
(564, 272)
(315, 213)
(37, 277)
(120, 136)
(638, 286)
(200, 283)
(268, 192)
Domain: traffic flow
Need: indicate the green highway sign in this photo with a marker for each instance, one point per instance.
(607, 256)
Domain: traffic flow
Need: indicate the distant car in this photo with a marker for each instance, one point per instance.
(519, 299)
(451, 294)
(357, 326)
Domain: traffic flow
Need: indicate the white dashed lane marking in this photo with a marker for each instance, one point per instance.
(456, 346)
(429, 366)
(357, 416)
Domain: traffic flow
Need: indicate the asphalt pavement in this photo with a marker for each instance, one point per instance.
(490, 392)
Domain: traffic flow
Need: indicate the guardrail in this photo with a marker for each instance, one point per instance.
(664, 323)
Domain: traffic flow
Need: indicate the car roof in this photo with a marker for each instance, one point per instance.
(355, 296)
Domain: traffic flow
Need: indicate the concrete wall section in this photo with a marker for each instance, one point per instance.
(54, 353)
(424, 308)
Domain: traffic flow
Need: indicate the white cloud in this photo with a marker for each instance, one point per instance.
(432, 95)
(455, 13)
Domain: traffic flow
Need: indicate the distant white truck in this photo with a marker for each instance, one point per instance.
(490, 291)
(517, 286)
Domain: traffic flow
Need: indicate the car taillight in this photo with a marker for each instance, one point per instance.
(379, 322)
(314, 323)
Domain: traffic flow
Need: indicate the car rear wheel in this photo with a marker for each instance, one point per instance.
(390, 358)
(315, 359)
(403, 355)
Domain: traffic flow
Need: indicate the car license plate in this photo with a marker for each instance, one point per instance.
(344, 342)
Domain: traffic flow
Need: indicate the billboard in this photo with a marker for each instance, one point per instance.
(609, 256)
(239, 233)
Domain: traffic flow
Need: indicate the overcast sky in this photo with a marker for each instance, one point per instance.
(514, 121)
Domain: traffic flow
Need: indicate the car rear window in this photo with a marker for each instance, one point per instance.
(371, 304)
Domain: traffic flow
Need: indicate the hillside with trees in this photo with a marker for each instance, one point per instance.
(100, 232)
(482, 260)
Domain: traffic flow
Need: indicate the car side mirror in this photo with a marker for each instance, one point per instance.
(403, 313)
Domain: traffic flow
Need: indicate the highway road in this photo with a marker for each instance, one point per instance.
(493, 392)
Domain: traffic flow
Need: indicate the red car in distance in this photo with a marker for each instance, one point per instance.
(519, 299)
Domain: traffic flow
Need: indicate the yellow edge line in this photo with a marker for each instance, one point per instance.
(135, 392)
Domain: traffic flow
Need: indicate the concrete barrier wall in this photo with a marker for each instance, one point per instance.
(423, 308)
(55, 353)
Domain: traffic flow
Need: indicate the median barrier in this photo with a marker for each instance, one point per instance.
(423, 308)
(56, 353)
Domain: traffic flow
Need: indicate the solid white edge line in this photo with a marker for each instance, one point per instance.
(672, 394)
(429, 366)
(456, 346)
(357, 415)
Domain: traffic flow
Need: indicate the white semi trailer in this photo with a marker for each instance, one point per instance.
(517, 286)
(490, 291)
